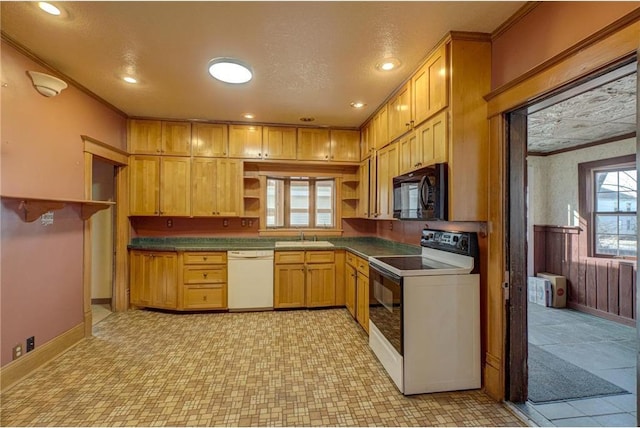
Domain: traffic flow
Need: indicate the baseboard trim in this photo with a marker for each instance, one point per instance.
(24, 366)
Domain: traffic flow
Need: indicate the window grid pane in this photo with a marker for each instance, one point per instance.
(615, 231)
(324, 203)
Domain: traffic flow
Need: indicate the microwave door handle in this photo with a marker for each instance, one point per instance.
(424, 192)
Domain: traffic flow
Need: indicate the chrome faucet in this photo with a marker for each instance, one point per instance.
(302, 235)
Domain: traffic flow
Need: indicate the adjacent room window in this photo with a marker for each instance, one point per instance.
(300, 202)
(612, 204)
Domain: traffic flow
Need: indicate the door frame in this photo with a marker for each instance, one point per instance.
(614, 44)
(120, 160)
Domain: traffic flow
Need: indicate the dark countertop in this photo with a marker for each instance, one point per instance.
(363, 247)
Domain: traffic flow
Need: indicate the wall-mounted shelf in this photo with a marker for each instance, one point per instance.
(30, 208)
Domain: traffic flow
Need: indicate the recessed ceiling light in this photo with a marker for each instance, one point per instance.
(229, 70)
(129, 79)
(49, 8)
(357, 104)
(248, 116)
(388, 64)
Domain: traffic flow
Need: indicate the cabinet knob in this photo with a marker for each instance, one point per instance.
(326, 157)
(204, 258)
(204, 275)
(204, 298)
(259, 154)
(266, 155)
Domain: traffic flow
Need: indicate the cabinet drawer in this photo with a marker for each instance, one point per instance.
(205, 297)
(352, 259)
(320, 257)
(362, 266)
(205, 258)
(205, 275)
(288, 257)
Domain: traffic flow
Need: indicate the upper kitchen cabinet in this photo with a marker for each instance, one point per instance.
(399, 113)
(345, 146)
(429, 86)
(427, 145)
(380, 128)
(245, 141)
(154, 137)
(387, 168)
(279, 143)
(210, 140)
(159, 185)
(366, 141)
(216, 187)
(314, 144)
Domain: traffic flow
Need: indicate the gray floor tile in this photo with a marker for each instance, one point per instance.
(584, 421)
(557, 410)
(594, 406)
(626, 403)
(595, 356)
(616, 420)
(624, 378)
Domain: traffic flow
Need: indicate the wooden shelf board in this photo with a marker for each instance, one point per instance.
(31, 208)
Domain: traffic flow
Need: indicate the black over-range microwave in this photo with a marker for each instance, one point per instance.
(422, 194)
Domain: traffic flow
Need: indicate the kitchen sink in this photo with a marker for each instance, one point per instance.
(315, 244)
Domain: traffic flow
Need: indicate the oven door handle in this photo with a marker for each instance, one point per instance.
(382, 271)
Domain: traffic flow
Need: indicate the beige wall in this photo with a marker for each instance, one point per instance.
(102, 232)
(554, 181)
(42, 155)
(548, 30)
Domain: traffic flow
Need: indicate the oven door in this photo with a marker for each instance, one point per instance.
(385, 305)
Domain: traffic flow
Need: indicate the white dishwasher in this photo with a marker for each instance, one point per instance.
(250, 280)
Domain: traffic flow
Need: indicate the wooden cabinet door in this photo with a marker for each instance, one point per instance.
(433, 139)
(345, 145)
(210, 139)
(350, 290)
(363, 189)
(176, 138)
(145, 185)
(381, 128)
(245, 141)
(139, 278)
(145, 137)
(279, 143)
(175, 183)
(228, 187)
(430, 86)
(373, 185)
(362, 301)
(366, 141)
(289, 286)
(387, 169)
(164, 280)
(409, 153)
(321, 287)
(203, 187)
(313, 144)
(400, 112)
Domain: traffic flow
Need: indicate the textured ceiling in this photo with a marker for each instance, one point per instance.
(309, 58)
(604, 112)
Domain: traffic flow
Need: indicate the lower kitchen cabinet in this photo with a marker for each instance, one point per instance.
(204, 280)
(153, 279)
(304, 279)
(357, 289)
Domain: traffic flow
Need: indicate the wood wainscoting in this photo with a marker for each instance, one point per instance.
(605, 287)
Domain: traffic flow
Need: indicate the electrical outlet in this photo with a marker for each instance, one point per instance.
(17, 351)
(243, 222)
(225, 223)
(169, 222)
(31, 343)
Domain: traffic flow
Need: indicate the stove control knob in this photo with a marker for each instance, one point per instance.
(464, 244)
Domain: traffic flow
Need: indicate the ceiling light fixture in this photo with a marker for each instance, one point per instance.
(49, 8)
(229, 70)
(357, 104)
(388, 64)
(248, 116)
(129, 79)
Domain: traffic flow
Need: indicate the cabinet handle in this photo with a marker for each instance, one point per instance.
(204, 298)
(205, 275)
(259, 154)
(204, 258)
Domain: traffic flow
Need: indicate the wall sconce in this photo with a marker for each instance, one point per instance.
(46, 84)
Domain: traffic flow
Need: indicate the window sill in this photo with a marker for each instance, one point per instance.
(296, 232)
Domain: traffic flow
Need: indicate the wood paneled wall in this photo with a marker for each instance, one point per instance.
(600, 286)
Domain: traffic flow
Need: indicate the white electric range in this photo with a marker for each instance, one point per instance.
(424, 314)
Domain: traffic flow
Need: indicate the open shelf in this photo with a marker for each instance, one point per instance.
(31, 208)
(252, 197)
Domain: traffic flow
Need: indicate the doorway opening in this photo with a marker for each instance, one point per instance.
(103, 188)
(572, 347)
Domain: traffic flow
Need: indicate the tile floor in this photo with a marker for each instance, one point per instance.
(99, 312)
(604, 348)
(264, 368)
